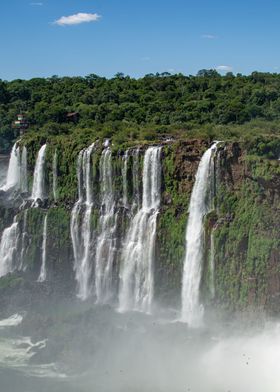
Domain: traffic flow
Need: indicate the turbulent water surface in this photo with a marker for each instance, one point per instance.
(138, 352)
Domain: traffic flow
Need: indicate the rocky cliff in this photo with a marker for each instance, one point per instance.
(242, 241)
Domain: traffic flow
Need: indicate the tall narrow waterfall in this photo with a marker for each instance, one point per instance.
(23, 240)
(8, 249)
(200, 205)
(38, 189)
(13, 175)
(136, 275)
(43, 272)
(82, 235)
(106, 241)
(136, 180)
(54, 174)
(23, 171)
(76, 236)
(124, 178)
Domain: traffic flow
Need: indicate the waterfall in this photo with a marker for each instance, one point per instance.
(23, 171)
(23, 239)
(8, 249)
(74, 228)
(82, 236)
(124, 178)
(13, 174)
(106, 241)
(136, 179)
(43, 272)
(192, 310)
(85, 265)
(54, 172)
(38, 189)
(17, 170)
(136, 275)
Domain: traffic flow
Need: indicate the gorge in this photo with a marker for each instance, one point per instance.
(169, 237)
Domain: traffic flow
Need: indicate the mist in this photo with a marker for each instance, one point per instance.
(142, 353)
(104, 350)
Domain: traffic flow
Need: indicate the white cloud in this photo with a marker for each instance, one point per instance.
(224, 68)
(78, 18)
(39, 4)
(209, 36)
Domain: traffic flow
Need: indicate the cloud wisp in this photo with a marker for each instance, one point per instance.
(209, 36)
(76, 19)
(224, 68)
(37, 4)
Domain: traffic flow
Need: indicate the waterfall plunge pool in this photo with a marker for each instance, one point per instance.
(94, 348)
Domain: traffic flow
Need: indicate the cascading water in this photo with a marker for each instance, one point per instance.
(43, 272)
(200, 205)
(14, 172)
(8, 249)
(74, 227)
(106, 241)
(136, 180)
(38, 189)
(82, 236)
(54, 173)
(136, 275)
(124, 178)
(23, 171)
(23, 240)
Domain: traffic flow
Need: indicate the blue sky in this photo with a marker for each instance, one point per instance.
(137, 37)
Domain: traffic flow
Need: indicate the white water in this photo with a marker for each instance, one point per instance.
(23, 171)
(192, 310)
(38, 189)
(23, 240)
(12, 321)
(124, 178)
(13, 174)
(82, 236)
(74, 227)
(136, 180)
(54, 173)
(43, 272)
(16, 352)
(8, 249)
(136, 275)
(106, 241)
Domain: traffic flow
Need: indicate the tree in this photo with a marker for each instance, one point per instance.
(208, 73)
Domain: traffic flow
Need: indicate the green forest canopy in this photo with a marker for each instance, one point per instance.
(234, 106)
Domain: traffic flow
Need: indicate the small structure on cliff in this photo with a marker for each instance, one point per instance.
(72, 117)
(21, 123)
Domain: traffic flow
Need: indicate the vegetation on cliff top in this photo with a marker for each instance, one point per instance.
(126, 109)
